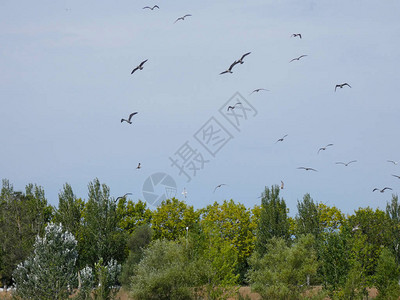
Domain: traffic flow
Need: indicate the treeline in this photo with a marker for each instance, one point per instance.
(177, 252)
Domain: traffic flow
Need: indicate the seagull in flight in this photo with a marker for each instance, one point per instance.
(120, 197)
(218, 186)
(129, 119)
(281, 139)
(342, 85)
(307, 169)
(346, 164)
(139, 67)
(296, 34)
(230, 68)
(298, 58)
(382, 190)
(184, 193)
(155, 6)
(324, 148)
(182, 18)
(243, 56)
(138, 166)
(257, 90)
(282, 185)
(397, 176)
(393, 162)
(233, 107)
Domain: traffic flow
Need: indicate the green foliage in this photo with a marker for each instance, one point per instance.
(281, 273)
(70, 209)
(334, 252)
(171, 219)
(50, 271)
(234, 224)
(387, 276)
(164, 273)
(100, 236)
(308, 217)
(22, 218)
(132, 215)
(137, 242)
(273, 220)
(331, 218)
(393, 213)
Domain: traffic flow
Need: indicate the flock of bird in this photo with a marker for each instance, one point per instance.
(229, 70)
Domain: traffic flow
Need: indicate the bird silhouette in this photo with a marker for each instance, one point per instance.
(296, 34)
(243, 56)
(397, 176)
(342, 85)
(324, 148)
(138, 166)
(218, 186)
(155, 6)
(139, 67)
(120, 197)
(307, 169)
(230, 68)
(298, 58)
(393, 162)
(257, 90)
(129, 119)
(281, 139)
(382, 190)
(182, 18)
(282, 185)
(233, 107)
(346, 164)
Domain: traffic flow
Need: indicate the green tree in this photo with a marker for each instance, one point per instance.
(137, 242)
(171, 219)
(100, 236)
(22, 217)
(393, 213)
(133, 214)
(281, 273)
(273, 221)
(233, 222)
(387, 276)
(331, 218)
(308, 217)
(69, 211)
(50, 270)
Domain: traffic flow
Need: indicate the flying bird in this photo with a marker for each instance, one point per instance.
(346, 164)
(184, 193)
(324, 148)
(298, 58)
(282, 185)
(233, 107)
(382, 190)
(257, 90)
(243, 56)
(230, 68)
(397, 176)
(218, 186)
(342, 85)
(155, 6)
(120, 197)
(139, 67)
(182, 18)
(138, 166)
(355, 228)
(296, 34)
(129, 119)
(281, 139)
(393, 162)
(307, 169)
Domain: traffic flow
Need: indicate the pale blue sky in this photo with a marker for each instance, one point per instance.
(65, 83)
